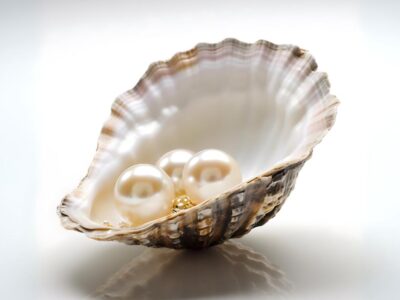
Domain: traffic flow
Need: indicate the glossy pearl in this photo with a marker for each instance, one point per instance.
(210, 173)
(173, 163)
(143, 193)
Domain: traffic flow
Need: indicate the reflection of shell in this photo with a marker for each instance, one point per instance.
(168, 274)
(264, 104)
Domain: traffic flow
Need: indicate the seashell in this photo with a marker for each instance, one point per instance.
(264, 104)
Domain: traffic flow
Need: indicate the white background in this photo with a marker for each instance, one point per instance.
(63, 62)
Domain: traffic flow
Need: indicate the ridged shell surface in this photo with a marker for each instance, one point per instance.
(264, 104)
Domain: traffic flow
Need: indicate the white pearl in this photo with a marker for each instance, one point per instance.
(143, 193)
(210, 173)
(173, 163)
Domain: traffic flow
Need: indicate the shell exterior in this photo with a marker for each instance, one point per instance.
(296, 108)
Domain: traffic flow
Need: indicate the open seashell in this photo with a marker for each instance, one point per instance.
(264, 104)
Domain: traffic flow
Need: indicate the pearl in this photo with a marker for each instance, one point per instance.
(210, 173)
(173, 163)
(143, 193)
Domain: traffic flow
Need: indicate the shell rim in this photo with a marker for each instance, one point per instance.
(111, 233)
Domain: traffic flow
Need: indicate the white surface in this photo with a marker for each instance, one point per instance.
(63, 63)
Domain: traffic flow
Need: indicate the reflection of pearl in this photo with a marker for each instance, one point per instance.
(143, 193)
(209, 173)
(172, 163)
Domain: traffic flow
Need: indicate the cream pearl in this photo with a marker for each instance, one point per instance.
(173, 163)
(209, 173)
(143, 193)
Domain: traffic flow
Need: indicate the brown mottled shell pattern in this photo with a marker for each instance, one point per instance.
(231, 214)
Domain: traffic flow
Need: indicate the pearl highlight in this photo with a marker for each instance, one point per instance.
(173, 163)
(209, 173)
(143, 193)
